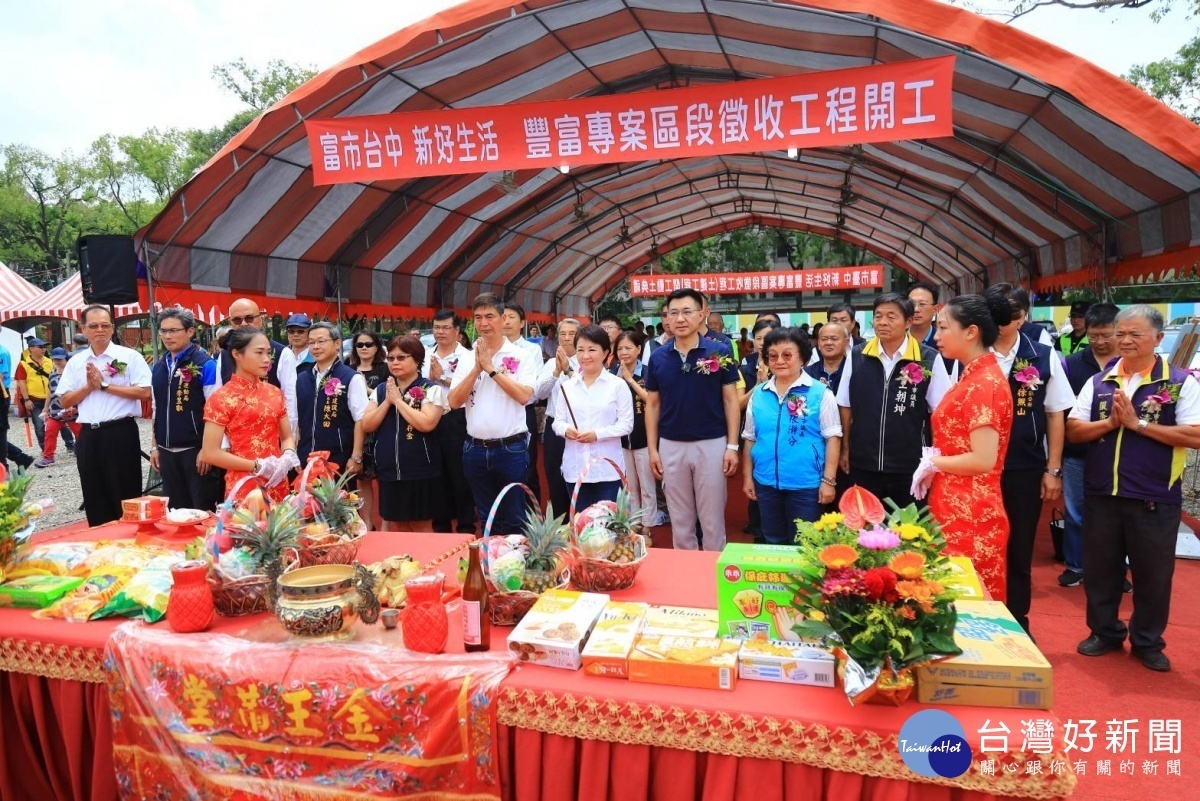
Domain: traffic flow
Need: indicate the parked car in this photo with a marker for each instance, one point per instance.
(1171, 334)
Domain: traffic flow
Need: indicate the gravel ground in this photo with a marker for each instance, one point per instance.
(60, 480)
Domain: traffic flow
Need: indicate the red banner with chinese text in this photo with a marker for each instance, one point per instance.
(869, 276)
(217, 717)
(882, 103)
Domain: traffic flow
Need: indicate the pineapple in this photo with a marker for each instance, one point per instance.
(548, 539)
(334, 503)
(626, 523)
(267, 541)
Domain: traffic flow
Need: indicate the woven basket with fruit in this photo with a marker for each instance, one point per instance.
(332, 529)
(608, 542)
(520, 567)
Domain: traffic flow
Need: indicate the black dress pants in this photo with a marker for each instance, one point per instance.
(109, 459)
(1146, 532)
(897, 486)
(531, 473)
(552, 453)
(1022, 493)
(459, 503)
(185, 488)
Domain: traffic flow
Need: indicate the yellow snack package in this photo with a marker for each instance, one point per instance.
(51, 559)
(90, 596)
(146, 594)
(117, 555)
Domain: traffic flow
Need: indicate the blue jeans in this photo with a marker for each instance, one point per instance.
(489, 470)
(780, 509)
(1073, 503)
(592, 491)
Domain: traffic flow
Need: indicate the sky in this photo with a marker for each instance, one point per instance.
(77, 69)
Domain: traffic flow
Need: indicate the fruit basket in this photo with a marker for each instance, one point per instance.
(332, 530)
(541, 556)
(596, 567)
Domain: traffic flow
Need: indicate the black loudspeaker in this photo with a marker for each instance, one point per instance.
(108, 269)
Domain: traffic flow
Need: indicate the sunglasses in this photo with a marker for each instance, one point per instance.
(364, 345)
(247, 320)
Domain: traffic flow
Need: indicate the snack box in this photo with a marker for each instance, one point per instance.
(964, 579)
(997, 655)
(553, 631)
(707, 663)
(684, 621)
(37, 592)
(613, 637)
(786, 662)
(147, 507)
(753, 599)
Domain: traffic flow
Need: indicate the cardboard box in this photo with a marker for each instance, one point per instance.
(707, 663)
(553, 632)
(753, 599)
(786, 662)
(997, 654)
(965, 580)
(929, 692)
(147, 507)
(613, 637)
(684, 621)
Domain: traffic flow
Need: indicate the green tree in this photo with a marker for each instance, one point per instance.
(1175, 80)
(43, 209)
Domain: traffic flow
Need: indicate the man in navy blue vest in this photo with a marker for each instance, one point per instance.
(1139, 416)
(331, 399)
(885, 414)
(180, 382)
(1101, 333)
(282, 374)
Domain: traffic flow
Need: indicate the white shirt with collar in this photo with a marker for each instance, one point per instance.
(357, 397)
(100, 406)
(1059, 396)
(829, 418)
(605, 407)
(448, 363)
(535, 352)
(491, 412)
(287, 384)
(548, 384)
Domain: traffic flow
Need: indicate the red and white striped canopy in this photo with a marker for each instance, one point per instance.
(63, 302)
(14, 288)
(1055, 165)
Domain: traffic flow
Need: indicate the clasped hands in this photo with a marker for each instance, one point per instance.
(580, 436)
(273, 469)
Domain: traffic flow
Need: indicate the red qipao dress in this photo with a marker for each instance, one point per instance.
(250, 411)
(970, 508)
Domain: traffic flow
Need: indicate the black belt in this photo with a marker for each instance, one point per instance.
(498, 443)
(106, 423)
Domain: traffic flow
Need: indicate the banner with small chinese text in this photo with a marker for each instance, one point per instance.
(214, 716)
(881, 103)
(869, 276)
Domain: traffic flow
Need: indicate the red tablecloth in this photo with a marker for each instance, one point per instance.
(564, 734)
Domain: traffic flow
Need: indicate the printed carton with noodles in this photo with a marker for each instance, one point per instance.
(702, 662)
(613, 637)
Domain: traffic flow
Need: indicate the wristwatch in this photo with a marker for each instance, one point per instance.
(104, 385)
(733, 448)
(356, 459)
(492, 374)
(1143, 424)
(1056, 472)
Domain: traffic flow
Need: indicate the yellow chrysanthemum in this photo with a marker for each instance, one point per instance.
(817, 615)
(836, 557)
(910, 531)
(909, 565)
(829, 521)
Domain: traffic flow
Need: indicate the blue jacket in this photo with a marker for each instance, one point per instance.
(788, 450)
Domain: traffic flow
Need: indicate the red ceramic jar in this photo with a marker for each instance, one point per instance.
(425, 620)
(190, 607)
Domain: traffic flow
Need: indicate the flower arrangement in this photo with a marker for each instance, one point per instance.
(415, 395)
(797, 404)
(1167, 394)
(707, 365)
(1027, 376)
(332, 387)
(186, 373)
(912, 374)
(509, 365)
(874, 589)
(115, 367)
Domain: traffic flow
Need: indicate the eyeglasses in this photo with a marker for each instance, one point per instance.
(320, 341)
(921, 304)
(680, 313)
(398, 357)
(297, 331)
(98, 326)
(610, 328)
(364, 345)
(167, 331)
(786, 356)
(247, 320)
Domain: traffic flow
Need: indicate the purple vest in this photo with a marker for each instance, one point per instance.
(1130, 465)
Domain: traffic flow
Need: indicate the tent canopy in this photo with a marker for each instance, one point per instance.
(63, 302)
(13, 288)
(1055, 167)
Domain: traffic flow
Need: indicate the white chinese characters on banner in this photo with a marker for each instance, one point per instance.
(837, 278)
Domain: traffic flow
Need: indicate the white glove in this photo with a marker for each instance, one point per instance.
(269, 469)
(287, 462)
(923, 477)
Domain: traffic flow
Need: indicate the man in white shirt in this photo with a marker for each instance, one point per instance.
(107, 383)
(441, 364)
(514, 322)
(493, 383)
(554, 372)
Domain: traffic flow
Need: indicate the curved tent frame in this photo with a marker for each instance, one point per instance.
(1057, 170)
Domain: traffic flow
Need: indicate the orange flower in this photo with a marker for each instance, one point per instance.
(909, 564)
(907, 612)
(918, 591)
(836, 557)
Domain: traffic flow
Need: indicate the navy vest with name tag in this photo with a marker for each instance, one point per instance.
(1027, 444)
(325, 420)
(402, 453)
(179, 404)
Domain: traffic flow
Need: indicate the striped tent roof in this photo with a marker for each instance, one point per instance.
(63, 302)
(1055, 166)
(14, 288)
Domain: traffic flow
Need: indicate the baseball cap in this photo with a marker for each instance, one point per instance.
(1080, 308)
(34, 342)
(58, 353)
(299, 321)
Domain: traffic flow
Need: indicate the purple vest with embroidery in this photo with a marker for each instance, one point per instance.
(1126, 464)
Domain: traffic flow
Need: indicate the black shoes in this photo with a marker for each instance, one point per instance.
(1070, 578)
(1153, 660)
(1098, 646)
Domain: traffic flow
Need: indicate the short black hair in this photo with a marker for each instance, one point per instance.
(1101, 314)
(446, 314)
(925, 285)
(610, 318)
(685, 293)
(83, 315)
(905, 305)
(512, 305)
(761, 324)
(487, 299)
(795, 335)
(764, 315)
(596, 335)
(840, 307)
(1017, 296)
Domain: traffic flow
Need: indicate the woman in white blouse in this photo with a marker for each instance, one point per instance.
(596, 411)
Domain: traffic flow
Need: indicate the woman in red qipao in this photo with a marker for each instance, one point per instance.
(252, 415)
(971, 428)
